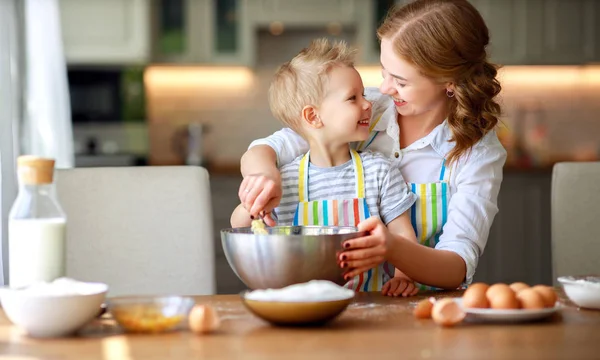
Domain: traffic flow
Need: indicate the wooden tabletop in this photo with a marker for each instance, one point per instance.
(373, 326)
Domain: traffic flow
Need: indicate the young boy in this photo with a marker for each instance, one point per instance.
(319, 94)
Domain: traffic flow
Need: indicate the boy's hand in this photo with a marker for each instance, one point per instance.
(261, 193)
(364, 253)
(399, 285)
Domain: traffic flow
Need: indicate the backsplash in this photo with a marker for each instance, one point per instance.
(551, 113)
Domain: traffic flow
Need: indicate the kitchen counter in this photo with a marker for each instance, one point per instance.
(373, 325)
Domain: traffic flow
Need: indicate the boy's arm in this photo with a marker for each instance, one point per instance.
(240, 217)
(402, 226)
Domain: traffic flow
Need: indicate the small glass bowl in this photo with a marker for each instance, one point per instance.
(150, 314)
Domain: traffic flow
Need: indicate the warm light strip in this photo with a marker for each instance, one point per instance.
(217, 78)
(371, 75)
(518, 75)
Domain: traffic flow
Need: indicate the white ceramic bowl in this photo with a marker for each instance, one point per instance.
(52, 315)
(584, 291)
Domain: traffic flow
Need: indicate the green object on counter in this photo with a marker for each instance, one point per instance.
(133, 94)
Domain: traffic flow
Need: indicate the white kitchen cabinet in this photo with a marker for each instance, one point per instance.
(303, 13)
(105, 31)
(202, 32)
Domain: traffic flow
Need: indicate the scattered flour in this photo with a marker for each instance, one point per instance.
(63, 286)
(315, 290)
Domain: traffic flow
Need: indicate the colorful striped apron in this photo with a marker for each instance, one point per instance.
(430, 212)
(341, 212)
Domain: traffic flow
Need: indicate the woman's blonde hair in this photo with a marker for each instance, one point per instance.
(446, 40)
(301, 81)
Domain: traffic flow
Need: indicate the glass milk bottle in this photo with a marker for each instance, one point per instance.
(36, 226)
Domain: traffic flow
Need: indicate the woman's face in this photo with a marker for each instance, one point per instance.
(413, 93)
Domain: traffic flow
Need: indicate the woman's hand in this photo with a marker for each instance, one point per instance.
(261, 193)
(364, 253)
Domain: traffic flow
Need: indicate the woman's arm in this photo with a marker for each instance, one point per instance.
(261, 188)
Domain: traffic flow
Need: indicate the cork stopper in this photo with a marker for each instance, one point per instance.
(35, 170)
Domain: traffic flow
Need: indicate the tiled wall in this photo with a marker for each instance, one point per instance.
(234, 106)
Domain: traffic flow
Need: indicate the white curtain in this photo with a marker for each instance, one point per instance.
(35, 115)
(47, 129)
(10, 113)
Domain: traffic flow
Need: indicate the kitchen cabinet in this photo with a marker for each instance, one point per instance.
(518, 247)
(105, 32)
(522, 32)
(202, 32)
(542, 32)
(303, 13)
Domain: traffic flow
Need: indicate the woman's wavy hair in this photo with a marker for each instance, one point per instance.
(446, 41)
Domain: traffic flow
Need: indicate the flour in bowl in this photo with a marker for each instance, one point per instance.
(63, 287)
(312, 291)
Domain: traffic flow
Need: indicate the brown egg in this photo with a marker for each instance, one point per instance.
(447, 312)
(530, 299)
(496, 289)
(548, 294)
(518, 286)
(474, 296)
(503, 298)
(423, 308)
(203, 319)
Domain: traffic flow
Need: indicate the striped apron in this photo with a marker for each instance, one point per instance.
(430, 212)
(341, 212)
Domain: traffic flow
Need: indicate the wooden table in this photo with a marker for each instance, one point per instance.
(372, 327)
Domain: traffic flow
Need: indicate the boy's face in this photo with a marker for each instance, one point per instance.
(344, 111)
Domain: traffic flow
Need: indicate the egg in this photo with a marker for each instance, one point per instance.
(447, 312)
(501, 296)
(423, 308)
(203, 319)
(474, 296)
(518, 286)
(530, 299)
(495, 289)
(547, 293)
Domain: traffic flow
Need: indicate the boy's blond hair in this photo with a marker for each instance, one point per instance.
(301, 81)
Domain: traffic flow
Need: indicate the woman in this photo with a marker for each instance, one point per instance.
(434, 115)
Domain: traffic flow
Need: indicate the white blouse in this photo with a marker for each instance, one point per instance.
(474, 180)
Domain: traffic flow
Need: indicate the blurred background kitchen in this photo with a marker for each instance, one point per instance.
(173, 82)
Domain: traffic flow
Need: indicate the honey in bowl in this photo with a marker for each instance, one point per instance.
(150, 314)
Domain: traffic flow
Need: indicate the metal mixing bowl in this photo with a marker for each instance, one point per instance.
(287, 255)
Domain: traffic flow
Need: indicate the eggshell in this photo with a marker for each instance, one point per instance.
(447, 312)
(474, 296)
(203, 319)
(530, 299)
(502, 297)
(423, 308)
(547, 293)
(518, 286)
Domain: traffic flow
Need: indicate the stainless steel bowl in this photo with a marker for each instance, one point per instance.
(287, 255)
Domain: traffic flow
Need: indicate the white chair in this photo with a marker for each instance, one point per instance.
(576, 219)
(141, 230)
